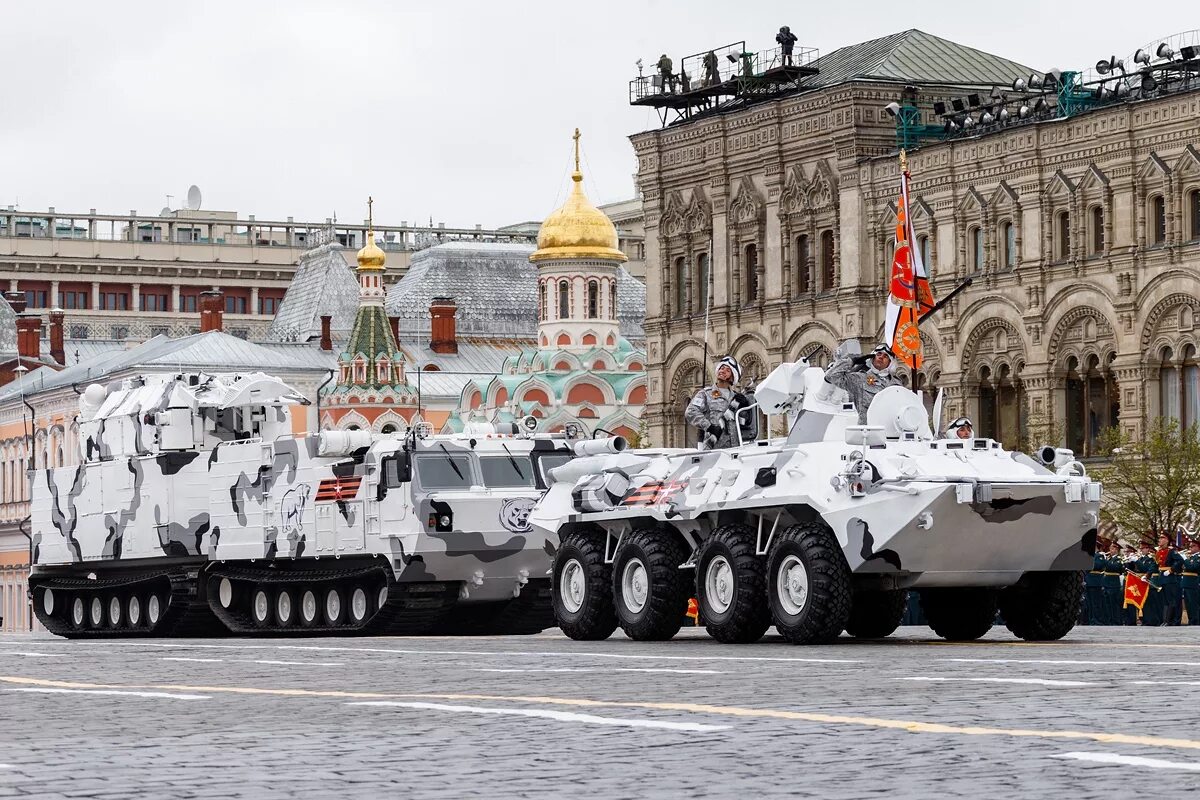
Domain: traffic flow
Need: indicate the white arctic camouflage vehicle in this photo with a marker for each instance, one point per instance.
(823, 531)
(196, 510)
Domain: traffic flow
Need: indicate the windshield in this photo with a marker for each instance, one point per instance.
(506, 471)
(448, 471)
(549, 462)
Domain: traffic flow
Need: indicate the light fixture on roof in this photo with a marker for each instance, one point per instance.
(1020, 85)
(957, 104)
(968, 122)
(939, 108)
(973, 100)
(986, 118)
(1165, 51)
(1040, 106)
(950, 126)
(1122, 89)
(1141, 57)
(1148, 84)
(1053, 77)
(1003, 115)
(1110, 64)
(1035, 81)
(892, 108)
(732, 57)
(1187, 52)
(1023, 111)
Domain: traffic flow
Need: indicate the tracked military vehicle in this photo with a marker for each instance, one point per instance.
(196, 510)
(822, 531)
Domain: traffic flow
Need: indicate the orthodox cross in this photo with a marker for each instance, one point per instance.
(576, 138)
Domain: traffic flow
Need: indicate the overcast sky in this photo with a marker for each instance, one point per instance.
(458, 110)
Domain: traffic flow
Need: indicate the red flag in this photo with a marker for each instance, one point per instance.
(909, 295)
(1136, 590)
(693, 611)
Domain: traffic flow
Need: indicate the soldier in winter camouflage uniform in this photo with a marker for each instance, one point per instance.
(864, 376)
(707, 410)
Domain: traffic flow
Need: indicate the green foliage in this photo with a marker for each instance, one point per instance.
(1039, 430)
(1150, 485)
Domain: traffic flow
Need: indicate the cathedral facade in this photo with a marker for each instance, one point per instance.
(1081, 235)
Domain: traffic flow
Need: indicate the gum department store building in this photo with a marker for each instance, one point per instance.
(1082, 234)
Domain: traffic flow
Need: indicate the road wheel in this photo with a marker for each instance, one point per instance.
(582, 588)
(260, 607)
(48, 602)
(381, 596)
(133, 611)
(78, 613)
(333, 606)
(225, 592)
(115, 608)
(875, 614)
(97, 612)
(808, 589)
(650, 591)
(360, 605)
(960, 614)
(1043, 606)
(154, 609)
(310, 608)
(731, 586)
(284, 610)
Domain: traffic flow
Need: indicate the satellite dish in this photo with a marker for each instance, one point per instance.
(193, 200)
(166, 211)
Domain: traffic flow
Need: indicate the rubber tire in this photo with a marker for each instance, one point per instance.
(1043, 606)
(596, 618)
(960, 614)
(669, 589)
(318, 601)
(876, 613)
(267, 620)
(747, 618)
(827, 609)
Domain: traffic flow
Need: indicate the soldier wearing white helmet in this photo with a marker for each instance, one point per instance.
(715, 409)
(864, 376)
(960, 428)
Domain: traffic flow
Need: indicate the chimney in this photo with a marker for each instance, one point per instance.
(212, 311)
(17, 301)
(57, 350)
(395, 323)
(326, 332)
(442, 337)
(29, 336)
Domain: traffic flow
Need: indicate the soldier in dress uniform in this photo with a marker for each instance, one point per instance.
(1114, 570)
(1170, 569)
(1129, 563)
(1095, 611)
(715, 409)
(1147, 566)
(1190, 582)
(864, 376)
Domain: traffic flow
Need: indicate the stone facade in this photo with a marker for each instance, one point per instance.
(1083, 235)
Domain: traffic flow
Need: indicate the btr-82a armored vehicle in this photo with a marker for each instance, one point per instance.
(196, 510)
(822, 531)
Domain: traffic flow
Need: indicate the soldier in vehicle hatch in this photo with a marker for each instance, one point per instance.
(864, 376)
(715, 409)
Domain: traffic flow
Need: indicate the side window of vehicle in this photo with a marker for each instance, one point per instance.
(445, 472)
(504, 472)
(396, 470)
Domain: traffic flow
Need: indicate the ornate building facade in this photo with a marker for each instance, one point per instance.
(1082, 234)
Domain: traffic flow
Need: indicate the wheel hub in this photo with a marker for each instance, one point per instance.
(308, 606)
(358, 604)
(792, 585)
(718, 585)
(262, 606)
(635, 585)
(572, 586)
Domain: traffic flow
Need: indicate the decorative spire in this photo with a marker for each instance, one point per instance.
(577, 176)
(370, 257)
(371, 218)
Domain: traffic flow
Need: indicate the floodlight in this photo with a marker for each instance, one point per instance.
(1141, 57)
(968, 122)
(986, 118)
(957, 104)
(973, 100)
(732, 57)
(1187, 52)
(1040, 106)
(1122, 89)
(939, 108)
(1165, 51)
(950, 126)
(1035, 81)
(1004, 115)
(1104, 65)
(1023, 111)
(1053, 76)
(1020, 85)
(1148, 83)
(893, 109)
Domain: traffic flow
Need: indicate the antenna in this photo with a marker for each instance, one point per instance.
(193, 198)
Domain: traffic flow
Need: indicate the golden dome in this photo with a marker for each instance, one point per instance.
(578, 229)
(370, 257)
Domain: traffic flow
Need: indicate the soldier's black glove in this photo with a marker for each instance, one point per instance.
(860, 360)
(740, 400)
(715, 430)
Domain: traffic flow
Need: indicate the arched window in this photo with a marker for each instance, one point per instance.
(1093, 404)
(803, 265)
(975, 239)
(700, 285)
(680, 277)
(593, 299)
(1158, 219)
(827, 276)
(1062, 235)
(923, 249)
(751, 270)
(1194, 214)
(543, 311)
(389, 428)
(1096, 221)
(1008, 235)
(612, 300)
(564, 300)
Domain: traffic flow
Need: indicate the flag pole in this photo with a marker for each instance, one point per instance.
(912, 270)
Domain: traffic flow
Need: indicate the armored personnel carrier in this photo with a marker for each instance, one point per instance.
(822, 531)
(196, 510)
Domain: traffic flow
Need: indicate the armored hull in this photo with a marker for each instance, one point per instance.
(821, 531)
(196, 510)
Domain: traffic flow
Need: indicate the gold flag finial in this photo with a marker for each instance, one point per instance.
(370, 214)
(903, 161)
(576, 138)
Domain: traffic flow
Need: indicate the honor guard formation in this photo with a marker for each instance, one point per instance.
(1144, 586)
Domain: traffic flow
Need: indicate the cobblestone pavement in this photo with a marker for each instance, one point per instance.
(1102, 713)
